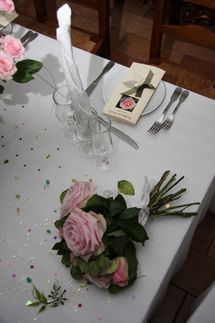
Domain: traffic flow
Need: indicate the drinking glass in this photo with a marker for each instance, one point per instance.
(102, 143)
(84, 133)
(64, 111)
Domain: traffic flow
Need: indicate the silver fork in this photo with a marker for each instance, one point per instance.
(157, 125)
(170, 120)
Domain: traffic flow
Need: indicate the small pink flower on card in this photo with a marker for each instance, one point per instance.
(127, 103)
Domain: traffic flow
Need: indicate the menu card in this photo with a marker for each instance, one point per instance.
(7, 18)
(134, 92)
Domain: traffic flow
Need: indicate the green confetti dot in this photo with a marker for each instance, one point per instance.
(48, 231)
(29, 280)
(18, 196)
(47, 182)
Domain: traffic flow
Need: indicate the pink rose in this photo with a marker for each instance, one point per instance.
(7, 66)
(7, 6)
(120, 276)
(83, 233)
(127, 103)
(77, 196)
(13, 46)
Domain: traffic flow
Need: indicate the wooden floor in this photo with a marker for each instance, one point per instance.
(131, 25)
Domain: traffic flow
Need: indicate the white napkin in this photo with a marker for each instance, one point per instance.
(78, 95)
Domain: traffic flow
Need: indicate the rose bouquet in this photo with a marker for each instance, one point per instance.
(7, 6)
(13, 66)
(98, 234)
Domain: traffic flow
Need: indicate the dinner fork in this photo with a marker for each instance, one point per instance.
(157, 125)
(170, 120)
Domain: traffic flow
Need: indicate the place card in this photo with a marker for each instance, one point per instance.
(133, 92)
(6, 19)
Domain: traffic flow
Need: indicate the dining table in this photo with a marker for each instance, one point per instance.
(36, 165)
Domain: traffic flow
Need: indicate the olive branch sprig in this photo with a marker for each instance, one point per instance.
(56, 297)
(161, 198)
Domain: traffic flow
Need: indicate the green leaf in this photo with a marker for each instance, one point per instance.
(130, 213)
(66, 259)
(36, 293)
(59, 245)
(42, 309)
(130, 255)
(59, 223)
(118, 245)
(113, 289)
(113, 267)
(134, 230)
(1, 89)
(117, 205)
(62, 195)
(76, 273)
(33, 304)
(117, 233)
(93, 269)
(125, 187)
(83, 265)
(99, 266)
(97, 204)
(29, 65)
(112, 225)
(22, 76)
(43, 298)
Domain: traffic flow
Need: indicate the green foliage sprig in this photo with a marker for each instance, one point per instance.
(55, 298)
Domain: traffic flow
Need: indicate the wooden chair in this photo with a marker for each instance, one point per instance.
(41, 11)
(98, 43)
(196, 34)
(192, 33)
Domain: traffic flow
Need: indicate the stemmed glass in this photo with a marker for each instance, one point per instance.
(102, 143)
(64, 111)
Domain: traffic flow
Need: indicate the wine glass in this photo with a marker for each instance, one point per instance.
(84, 133)
(102, 143)
(64, 111)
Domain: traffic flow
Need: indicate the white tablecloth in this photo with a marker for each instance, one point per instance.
(32, 151)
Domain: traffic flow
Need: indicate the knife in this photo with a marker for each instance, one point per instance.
(92, 86)
(28, 37)
(120, 134)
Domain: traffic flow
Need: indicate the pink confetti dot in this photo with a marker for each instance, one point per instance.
(13, 275)
(99, 317)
